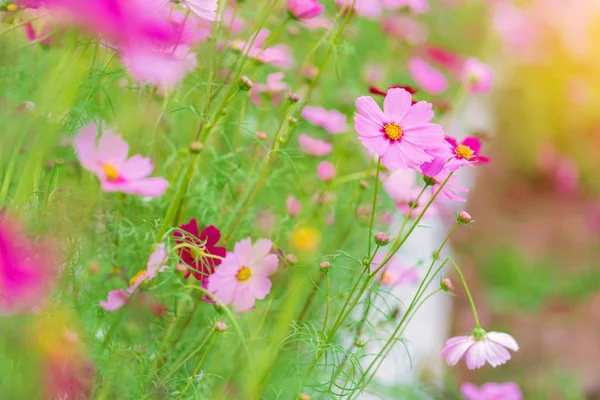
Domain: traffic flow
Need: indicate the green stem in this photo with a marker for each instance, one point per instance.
(191, 380)
(327, 306)
(208, 336)
(471, 302)
(370, 236)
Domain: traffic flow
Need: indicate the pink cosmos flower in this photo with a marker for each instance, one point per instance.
(118, 298)
(401, 133)
(465, 153)
(305, 9)
(447, 59)
(394, 273)
(243, 276)
(428, 78)
(203, 9)
(405, 28)
(271, 88)
(26, 269)
(108, 161)
(401, 186)
(451, 188)
(491, 391)
(370, 9)
(326, 171)
(314, 147)
(332, 121)
(293, 206)
(477, 76)
(480, 347)
(279, 56)
(415, 6)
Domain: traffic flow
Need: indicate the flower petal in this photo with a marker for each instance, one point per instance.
(504, 339)
(367, 107)
(396, 104)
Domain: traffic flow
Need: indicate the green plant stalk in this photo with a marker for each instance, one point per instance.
(209, 335)
(466, 287)
(374, 206)
(191, 380)
(327, 306)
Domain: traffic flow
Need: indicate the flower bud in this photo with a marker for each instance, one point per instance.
(364, 184)
(446, 285)
(381, 239)
(360, 343)
(292, 259)
(293, 97)
(261, 135)
(196, 147)
(304, 396)
(325, 266)
(463, 217)
(292, 120)
(245, 83)
(220, 326)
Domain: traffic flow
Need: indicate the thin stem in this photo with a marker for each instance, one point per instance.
(471, 302)
(327, 306)
(310, 298)
(208, 336)
(191, 380)
(370, 239)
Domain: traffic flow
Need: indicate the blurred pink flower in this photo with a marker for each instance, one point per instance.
(401, 186)
(415, 6)
(293, 206)
(27, 269)
(394, 273)
(491, 391)
(451, 188)
(266, 221)
(243, 276)
(465, 153)
(116, 299)
(332, 121)
(108, 161)
(203, 9)
(405, 28)
(447, 59)
(272, 88)
(370, 9)
(317, 23)
(477, 76)
(427, 77)
(279, 56)
(314, 147)
(479, 348)
(373, 74)
(326, 171)
(232, 22)
(305, 9)
(562, 170)
(401, 133)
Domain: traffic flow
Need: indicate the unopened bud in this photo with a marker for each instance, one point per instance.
(304, 396)
(196, 147)
(292, 259)
(245, 83)
(429, 181)
(294, 98)
(58, 162)
(366, 262)
(359, 343)
(292, 120)
(220, 326)
(261, 135)
(325, 266)
(446, 285)
(463, 217)
(364, 184)
(381, 239)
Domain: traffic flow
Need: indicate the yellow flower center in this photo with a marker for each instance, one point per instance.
(112, 174)
(244, 274)
(392, 131)
(464, 152)
(133, 280)
(386, 279)
(11, 7)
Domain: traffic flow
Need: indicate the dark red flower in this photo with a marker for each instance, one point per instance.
(409, 89)
(201, 266)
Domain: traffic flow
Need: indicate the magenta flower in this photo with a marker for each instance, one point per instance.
(279, 56)
(331, 120)
(477, 76)
(326, 171)
(394, 273)
(465, 153)
(401, 133)
(293, 206)
(405, 28)
(427, 77)
(201, 265)
(305, 9)
(26, 269)
(491, 391)
(108, 161)
(243, 276)
(451, 189)
(314, 147)
(480, 347)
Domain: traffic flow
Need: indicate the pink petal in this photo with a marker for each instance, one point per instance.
(116, 299)
(394, 157)
(368, 108)
(424, 136)
(504, 339)
(223, 287)
(244, 299)
(314, 147)
(378, 145)
(471, 391)
(396, 104)
(367, 127)
(427, 77)
(243, 252)
(268, 265)
(496, 354)
(420, 113)
(260, 287)
(261, 248)
(476, 355)
(112, 148)
(454, 352)
(137, 167)
(150, 187)
(85, 146)
(473, 143)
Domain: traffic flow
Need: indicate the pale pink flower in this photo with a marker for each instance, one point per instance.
(405, 28)
(279, 56)
(332, 121)
(451, 189)
(415, 6)
(317, 23)
(491, 391)
(243, 276)
(373, 74)
(477, 76)
(203, 9)
(314, 147)
(27, 269)
(293, 206)
(305, 9)
(401, 186)
(273, 87)
(370, 9)
(108, 161)
(427, 77)
(401, 133)
(116, 300)
(480, 347)
(326, 171)
(393, 273)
